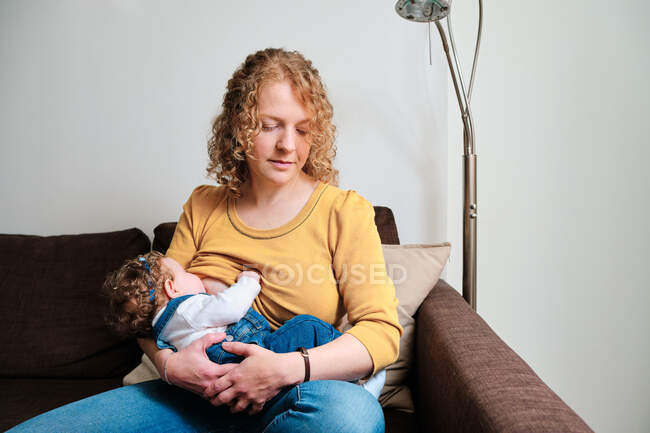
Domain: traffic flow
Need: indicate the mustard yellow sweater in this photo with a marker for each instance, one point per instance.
(326, 261)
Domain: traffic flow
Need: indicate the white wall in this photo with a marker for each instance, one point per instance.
(106, 106)
(561, 105)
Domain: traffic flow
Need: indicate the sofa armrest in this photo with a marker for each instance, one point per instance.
(469, 380)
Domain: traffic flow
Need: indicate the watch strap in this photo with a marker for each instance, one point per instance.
(305, 357)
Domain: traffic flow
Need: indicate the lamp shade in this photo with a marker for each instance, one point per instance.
(422, 10)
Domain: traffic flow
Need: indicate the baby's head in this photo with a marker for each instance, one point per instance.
(141, 287)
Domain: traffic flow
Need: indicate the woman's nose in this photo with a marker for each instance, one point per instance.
(287, 141)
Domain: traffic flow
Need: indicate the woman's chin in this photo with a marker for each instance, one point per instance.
(279, 179)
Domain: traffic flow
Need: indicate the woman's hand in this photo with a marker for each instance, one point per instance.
(191, 369)
(257, 379)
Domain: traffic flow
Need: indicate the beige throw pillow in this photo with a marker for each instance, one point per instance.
(414, 269)
(143, 372)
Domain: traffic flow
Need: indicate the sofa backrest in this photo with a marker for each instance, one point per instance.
(52, 308)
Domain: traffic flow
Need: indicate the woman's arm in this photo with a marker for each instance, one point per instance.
(156, 355)
(367, 292)
(343, 359)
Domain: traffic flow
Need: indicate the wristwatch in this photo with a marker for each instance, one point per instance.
(305, 356)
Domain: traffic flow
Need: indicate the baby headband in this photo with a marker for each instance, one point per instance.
(152, 292)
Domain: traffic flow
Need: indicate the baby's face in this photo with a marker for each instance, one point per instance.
(184, 282)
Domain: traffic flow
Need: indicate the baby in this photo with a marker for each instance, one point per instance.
(153, 296)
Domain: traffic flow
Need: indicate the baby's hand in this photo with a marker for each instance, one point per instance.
(249, 274)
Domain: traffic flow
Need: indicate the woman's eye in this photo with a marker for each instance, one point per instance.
(301, 131)
(268, 127)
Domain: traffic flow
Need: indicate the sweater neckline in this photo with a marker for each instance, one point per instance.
(284, 229)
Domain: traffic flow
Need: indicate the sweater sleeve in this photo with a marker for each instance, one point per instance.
(226, 307)
(367, 292)
(184, 243)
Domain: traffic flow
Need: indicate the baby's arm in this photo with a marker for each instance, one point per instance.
(231, 304)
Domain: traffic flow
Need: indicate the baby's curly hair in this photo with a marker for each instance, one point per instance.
(237, 124)
(130, 310)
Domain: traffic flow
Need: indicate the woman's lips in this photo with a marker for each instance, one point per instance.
(280, 163)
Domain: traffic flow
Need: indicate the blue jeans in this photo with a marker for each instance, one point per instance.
(303, 330)
(328, 406)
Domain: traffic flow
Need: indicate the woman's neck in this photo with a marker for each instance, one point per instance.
(263, 196)
(266, 209)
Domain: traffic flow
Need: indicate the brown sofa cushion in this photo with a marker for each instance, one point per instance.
(23, 399)
(51, 307)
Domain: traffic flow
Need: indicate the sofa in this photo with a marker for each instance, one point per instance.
(56, 348)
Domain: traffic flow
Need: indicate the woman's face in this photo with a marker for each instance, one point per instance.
(281, 148)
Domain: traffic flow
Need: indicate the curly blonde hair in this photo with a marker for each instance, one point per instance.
(130, 309)
(237, 124)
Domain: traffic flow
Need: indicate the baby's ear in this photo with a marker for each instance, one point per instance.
(170, 290)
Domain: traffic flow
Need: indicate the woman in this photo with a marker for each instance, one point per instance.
(318, 251)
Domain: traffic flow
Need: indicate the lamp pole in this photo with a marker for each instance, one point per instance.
(434, 11)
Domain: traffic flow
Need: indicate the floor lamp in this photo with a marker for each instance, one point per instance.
(428, 11)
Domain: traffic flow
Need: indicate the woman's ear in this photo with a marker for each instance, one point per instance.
(170, 289)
